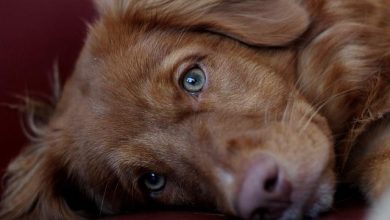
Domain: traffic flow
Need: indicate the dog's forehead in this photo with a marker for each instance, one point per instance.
(132, 70)
(134, 51)
(136, 56)
(122, 56)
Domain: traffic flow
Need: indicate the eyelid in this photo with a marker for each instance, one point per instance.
(183, 55)
(188, 64)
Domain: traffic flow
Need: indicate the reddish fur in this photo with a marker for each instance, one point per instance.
(123, 113)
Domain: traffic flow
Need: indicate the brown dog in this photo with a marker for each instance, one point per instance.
(251, 108)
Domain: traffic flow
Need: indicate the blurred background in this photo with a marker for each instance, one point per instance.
(34, 35)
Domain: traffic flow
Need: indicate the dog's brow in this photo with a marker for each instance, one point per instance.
(176, 56)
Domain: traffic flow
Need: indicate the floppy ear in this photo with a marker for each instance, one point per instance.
(32, 185)
(254, 22)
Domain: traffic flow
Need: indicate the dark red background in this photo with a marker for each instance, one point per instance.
(34, 34)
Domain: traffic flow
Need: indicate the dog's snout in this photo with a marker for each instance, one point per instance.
(264, 192)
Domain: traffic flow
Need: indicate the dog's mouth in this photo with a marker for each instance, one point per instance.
(286, 179)
(313, 207)
(270, 195)
(318, 202)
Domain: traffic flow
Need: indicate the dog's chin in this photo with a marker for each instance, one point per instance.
(316, 203)
(323, 201)
(306, 204)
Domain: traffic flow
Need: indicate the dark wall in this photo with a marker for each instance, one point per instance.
(33, 36)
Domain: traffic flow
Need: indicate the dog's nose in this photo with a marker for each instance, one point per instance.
(264, 192)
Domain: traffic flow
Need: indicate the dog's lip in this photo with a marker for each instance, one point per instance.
(311, 211)
(275, 210)
(298, 206)
(309, 206)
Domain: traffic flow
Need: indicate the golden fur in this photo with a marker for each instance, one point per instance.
(306, 82)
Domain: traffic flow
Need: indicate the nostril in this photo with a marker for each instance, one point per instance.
(265, 190)
(270, 183)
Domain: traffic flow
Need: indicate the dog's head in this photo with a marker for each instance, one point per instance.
(175, 103)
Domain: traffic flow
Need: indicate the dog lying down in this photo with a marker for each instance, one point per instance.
(250, 108)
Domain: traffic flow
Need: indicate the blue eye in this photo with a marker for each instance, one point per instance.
(194, 80)
(154, 182)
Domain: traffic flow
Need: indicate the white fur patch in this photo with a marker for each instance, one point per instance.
(381, 210)
(226, 181)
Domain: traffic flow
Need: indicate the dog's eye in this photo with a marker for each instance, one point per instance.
(154, 182)
(194, 80)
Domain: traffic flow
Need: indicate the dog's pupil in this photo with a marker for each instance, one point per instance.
(191, 80)
(194, 80)
(154, 182)
(152, 178)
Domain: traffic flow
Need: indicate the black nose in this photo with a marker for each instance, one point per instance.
(265, 191)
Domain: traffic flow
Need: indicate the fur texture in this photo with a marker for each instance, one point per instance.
(306, 83)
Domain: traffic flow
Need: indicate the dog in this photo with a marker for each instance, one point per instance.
(252, 108)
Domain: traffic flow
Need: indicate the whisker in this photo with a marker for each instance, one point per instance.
(289, 107)
(284, 116)
(319, 108)
(116, 187)
(266, 119)
(104, 195)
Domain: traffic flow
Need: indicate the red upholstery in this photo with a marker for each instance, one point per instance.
(346, 213)
(35, 34)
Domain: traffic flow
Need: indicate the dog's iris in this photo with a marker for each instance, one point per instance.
(194, 80)
(154, 182)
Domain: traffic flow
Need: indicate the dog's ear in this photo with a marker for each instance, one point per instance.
(254, 22)
(32, 186)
